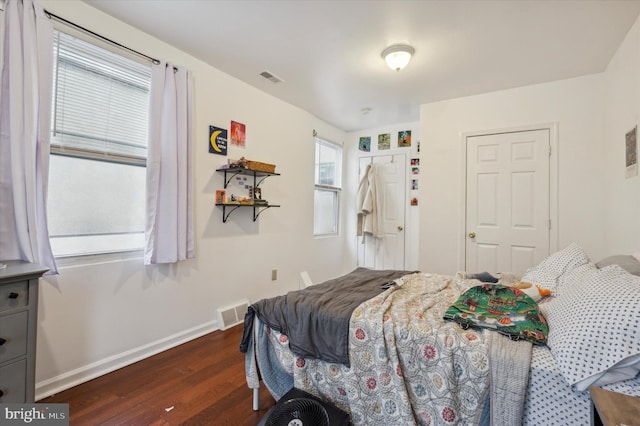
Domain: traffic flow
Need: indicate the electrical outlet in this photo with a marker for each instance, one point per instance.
(274, 274)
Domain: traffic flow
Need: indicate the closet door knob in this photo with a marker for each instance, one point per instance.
(472, 234)
(13, 295)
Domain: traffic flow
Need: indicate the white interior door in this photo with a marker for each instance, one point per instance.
(387, 252)
(508, 201)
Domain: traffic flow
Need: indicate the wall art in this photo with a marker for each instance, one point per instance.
(631, 153)
(238, 134)
(217, 140)
(365, 144)
(384, 141)
(404, 139)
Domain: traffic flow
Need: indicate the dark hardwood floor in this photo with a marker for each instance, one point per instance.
(202, 380)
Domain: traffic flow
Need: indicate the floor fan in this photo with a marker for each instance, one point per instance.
(298, 412)
(300, 408)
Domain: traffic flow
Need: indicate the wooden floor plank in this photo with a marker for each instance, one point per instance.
(198, 383)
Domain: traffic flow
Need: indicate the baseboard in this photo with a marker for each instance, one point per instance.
(80, 375)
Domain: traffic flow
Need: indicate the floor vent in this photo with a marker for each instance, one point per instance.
(272, 78)
(228, 317)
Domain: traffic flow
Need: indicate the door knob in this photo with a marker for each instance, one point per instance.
(472, 234)
(400, 228)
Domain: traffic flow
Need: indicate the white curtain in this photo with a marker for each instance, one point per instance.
(169, 221)
(25, 121)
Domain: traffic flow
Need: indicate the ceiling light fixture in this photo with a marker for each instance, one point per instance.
(398, 56)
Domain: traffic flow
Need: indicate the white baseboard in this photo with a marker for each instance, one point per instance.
(80, 375)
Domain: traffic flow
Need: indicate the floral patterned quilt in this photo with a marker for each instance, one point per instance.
(407, 364)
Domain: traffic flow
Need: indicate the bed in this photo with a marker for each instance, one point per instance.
(405, 364)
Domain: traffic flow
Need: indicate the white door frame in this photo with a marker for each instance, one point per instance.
(553, 183)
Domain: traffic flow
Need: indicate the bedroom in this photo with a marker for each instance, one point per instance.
(97, 316)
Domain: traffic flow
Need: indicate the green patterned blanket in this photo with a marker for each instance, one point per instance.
(504, 309)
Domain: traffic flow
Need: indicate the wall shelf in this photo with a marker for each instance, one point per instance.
(258, 178)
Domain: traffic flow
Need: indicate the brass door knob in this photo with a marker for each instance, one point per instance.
(472, 234)
(400, 228)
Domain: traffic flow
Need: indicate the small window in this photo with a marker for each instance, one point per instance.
(328, 183)
(97, 174)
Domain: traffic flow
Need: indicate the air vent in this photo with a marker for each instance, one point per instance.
(228, 317)
(272, 78)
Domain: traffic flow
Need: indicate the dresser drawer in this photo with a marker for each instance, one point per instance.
(14, 295)
(13, 329)
(12, 382)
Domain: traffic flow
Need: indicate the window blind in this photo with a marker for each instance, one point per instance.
(100, 105)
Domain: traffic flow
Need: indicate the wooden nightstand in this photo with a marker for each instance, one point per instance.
(614, 409)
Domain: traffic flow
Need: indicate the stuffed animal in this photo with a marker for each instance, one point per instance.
(532, 290)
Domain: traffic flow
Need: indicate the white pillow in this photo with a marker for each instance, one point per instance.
(594, 326)
(549, 273)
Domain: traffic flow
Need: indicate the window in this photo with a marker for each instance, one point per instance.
(96, 199)
(328, 183)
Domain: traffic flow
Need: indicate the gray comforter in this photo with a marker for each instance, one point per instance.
(316, 319)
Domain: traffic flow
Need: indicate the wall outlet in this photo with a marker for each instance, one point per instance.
(274, 274)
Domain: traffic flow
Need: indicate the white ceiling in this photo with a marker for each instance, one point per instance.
(328, 52)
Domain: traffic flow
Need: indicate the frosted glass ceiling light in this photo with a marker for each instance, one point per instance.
(398, 56)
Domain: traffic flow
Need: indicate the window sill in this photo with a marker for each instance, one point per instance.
(68, 262)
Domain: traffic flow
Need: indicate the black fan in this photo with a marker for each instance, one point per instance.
(299, 412)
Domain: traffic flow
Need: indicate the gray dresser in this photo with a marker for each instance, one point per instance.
(18, 324)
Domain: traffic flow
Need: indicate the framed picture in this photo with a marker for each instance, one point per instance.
(238, 134)
(365, 144)
(221, 196)
(404, 138)
(384, 141)
(631, 153)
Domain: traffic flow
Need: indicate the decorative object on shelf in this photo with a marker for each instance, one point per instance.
(238, 134)
(217, 140)
(404, 139)
(252, 165)
(221, 196)
(261, 167)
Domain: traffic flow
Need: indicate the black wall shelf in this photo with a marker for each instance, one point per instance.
(258, 178)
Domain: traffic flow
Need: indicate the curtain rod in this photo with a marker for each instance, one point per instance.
(101, 37)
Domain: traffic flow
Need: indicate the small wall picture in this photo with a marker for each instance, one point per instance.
(404, 138)
(217, 140)
(415, 170)
(365, 144)
(414, 184)
(221, 196)
(238, 134)
(384, 141)
(414, 201)
(415, 161)
(631, 153)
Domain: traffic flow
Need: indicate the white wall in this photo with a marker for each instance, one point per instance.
(576, 105)
(352, 156)
(621, 222)
(101, 313)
